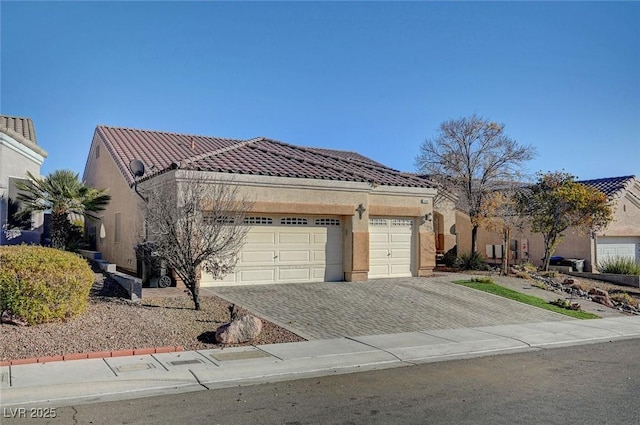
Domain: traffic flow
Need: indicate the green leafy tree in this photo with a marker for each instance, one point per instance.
(62, 193)
(472, 157)
(557, 202)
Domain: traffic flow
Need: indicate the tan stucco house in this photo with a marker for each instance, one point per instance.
(19, 154)
(317, 215)
(621, 238)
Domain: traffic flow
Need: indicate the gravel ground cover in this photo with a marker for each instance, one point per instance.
(114, 323)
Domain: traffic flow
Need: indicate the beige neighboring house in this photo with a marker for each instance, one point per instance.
(318, 214)
(621, 238)
(19, 154)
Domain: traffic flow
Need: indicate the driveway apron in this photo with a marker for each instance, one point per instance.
(378, 306)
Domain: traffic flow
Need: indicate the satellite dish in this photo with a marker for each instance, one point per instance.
(137, 168)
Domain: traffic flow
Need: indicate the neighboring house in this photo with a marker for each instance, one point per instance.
(318, 214)
(621, 238)
(19, 153)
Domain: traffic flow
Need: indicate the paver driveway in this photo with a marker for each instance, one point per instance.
(378, 306)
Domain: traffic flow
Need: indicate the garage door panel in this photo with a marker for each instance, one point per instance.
(293, 274)
(257, 257)
(330, 256)
(397, 270)
(378, 238)
(401, 254)
(291, 256)
(379, 270)
(256, 275)
(262, 237)
(376, 254)
(294, 238)
(400, 238)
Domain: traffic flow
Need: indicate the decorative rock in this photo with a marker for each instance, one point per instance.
(8, 318)
(240, 329)
(601, 296)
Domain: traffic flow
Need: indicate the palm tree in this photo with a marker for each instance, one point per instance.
(62, 193)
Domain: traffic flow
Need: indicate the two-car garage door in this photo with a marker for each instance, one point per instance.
(625, 247)
(288, 249)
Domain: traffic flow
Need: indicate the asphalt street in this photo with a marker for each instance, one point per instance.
(586, 384)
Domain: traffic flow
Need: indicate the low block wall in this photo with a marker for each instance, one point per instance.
(618, 279)
(131, 284)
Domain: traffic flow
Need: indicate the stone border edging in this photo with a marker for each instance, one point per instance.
(93, 355)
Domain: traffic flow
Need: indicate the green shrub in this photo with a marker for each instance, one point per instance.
(624, 298)
(472, 261)
(486, 280)
(619, 265)
(449, 258)
(41, 285)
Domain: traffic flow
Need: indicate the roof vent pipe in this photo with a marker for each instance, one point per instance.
(193, 143)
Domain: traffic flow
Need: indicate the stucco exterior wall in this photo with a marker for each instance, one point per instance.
(626, 218)
(16, 160)
(445, 222)
(102, 172)
(463, 231)
(275, 195)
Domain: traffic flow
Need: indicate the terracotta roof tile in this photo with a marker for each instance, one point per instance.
(160, 151)
(23, 131)
(20, 125)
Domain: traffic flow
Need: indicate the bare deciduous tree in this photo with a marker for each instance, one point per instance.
(196, 225)
(472, 157)
(499, 214)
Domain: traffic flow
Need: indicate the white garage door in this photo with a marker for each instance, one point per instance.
(390, 242)
(612, 247)
(288, 249)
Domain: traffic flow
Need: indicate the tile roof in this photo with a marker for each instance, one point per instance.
(22, 126)
(160, 151)
(610, 186)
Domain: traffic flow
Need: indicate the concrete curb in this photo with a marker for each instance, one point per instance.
(61, 383)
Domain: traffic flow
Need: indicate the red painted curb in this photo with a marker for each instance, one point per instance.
(98, 354)
(24, 361)
(143, 351)
(93, 355)
(76, 356)
(122, 353)
(50, 359)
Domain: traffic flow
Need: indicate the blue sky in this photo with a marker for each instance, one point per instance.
(373, 77)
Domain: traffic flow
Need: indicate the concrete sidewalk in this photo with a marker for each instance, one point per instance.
(118, 378)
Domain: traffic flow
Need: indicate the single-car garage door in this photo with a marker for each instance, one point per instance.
(288, 249)
(390, 242)
(624, 247)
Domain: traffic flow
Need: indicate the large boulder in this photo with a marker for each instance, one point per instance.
(601, 296)
(241, 329)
